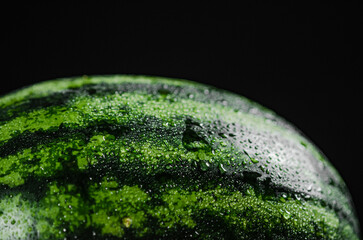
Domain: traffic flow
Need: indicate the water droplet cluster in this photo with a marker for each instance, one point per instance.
(144, 157)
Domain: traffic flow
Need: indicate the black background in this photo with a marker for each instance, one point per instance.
(302, 61)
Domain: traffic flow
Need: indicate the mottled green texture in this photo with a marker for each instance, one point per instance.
(147, 157)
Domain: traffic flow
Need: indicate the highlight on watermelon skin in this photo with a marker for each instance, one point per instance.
(141, 157)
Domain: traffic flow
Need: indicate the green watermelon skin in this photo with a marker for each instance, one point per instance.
(140, 157)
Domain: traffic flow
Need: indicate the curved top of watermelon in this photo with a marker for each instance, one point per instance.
(170, 127)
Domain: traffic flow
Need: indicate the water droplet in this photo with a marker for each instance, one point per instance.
(204, 165)
(253, 160)
(250, 192)
(222, 168)
(298, 197)
(286, 214)
(222, 135)
(127, 222)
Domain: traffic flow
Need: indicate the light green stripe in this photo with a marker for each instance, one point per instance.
(48, 87)
(42, 119)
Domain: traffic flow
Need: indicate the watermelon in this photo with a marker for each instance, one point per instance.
(140, 157)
